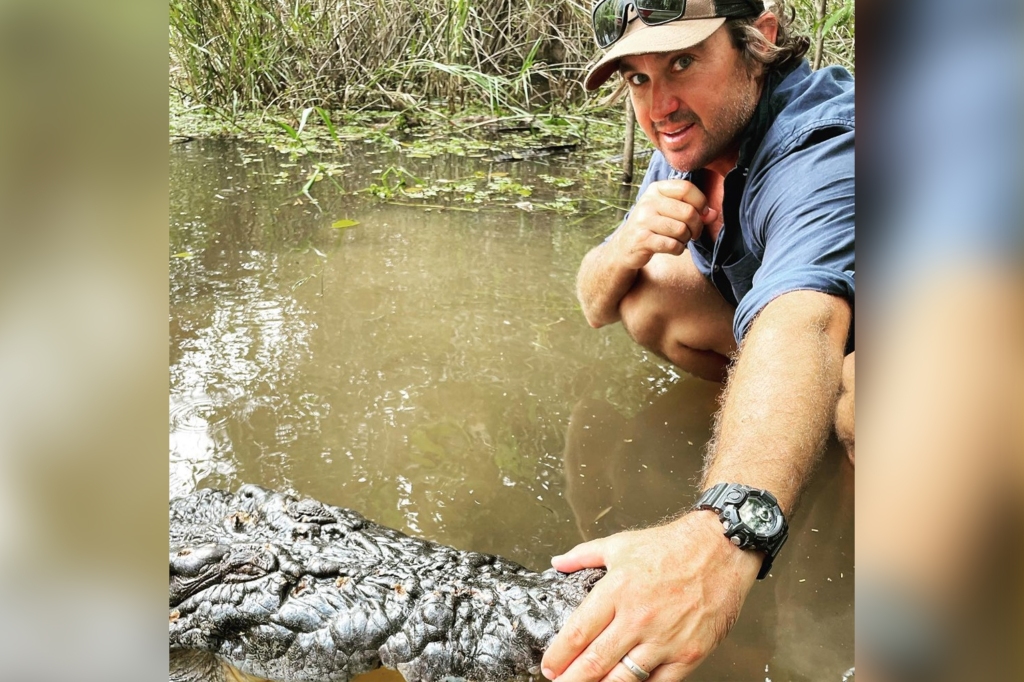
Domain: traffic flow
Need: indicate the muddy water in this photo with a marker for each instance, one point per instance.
(432, 370)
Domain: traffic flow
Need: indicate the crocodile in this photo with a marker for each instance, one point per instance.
(272, 585)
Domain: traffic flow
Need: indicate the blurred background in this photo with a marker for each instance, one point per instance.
(83, 334)
(84, 168)
(939, 533)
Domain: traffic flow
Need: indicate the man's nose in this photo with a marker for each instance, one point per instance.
(664, 101)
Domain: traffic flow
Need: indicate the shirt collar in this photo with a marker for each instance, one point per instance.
(763, 118)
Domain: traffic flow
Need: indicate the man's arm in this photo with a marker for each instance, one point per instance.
(601, 284)
(665, 218)
(780, 400)
(673, 592)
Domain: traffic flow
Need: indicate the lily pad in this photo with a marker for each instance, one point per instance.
(344, 224)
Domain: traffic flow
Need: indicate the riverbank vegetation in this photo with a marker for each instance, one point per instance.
(232, 58)
(500, 80)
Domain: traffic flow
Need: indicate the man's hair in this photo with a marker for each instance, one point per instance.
(787, 49)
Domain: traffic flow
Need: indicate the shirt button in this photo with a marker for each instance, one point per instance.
(717, 268)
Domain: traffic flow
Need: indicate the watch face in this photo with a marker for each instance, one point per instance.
(759, 516)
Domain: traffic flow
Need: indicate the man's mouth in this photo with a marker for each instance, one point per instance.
(676, 133)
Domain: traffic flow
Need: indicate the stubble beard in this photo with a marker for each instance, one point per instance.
(723, 137)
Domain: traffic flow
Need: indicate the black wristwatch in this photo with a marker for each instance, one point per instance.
(752, 519)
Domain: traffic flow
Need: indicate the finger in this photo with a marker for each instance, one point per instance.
(602, 657)
(642, 655)
(678, 226)
(669, 672)
(680, 190)
(660, 244)
(676, 216)
(585, 555)
(581, 628)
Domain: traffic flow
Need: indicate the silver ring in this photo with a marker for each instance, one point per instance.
(637, 671)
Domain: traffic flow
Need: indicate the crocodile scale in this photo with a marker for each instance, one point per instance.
(288, 588)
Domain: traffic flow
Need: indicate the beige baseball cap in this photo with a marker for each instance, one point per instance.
(700, 19)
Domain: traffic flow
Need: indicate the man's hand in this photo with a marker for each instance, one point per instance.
(671, 594)
(668, 215)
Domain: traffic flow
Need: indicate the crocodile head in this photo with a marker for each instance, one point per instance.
(288, 588)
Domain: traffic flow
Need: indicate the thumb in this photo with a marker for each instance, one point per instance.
(586, 555)
(709, 215)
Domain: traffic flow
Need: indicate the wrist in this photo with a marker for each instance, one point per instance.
(745, 563)
(708, 518)
(751, 519)
(626, 255)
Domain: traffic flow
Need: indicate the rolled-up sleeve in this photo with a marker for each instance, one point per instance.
(801, 209)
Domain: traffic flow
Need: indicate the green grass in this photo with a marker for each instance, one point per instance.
(234, 57)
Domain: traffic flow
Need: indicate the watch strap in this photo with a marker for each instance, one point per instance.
(721, 495)
(713, 498)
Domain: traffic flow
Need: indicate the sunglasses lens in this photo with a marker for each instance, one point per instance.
(609, 22)
(654, 12)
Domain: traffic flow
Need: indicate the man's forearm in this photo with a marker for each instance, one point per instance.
(600, 286)
(780, 398)
(663, 220)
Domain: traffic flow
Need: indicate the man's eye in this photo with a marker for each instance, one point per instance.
(636, 79)
(683, 62)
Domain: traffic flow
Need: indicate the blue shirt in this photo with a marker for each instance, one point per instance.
(788, 206)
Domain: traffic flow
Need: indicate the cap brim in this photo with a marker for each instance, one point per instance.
(642, 39)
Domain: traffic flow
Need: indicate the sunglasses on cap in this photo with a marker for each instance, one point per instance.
(609, 17)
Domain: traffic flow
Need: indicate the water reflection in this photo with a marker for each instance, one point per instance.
(197, 443)
(433, 371)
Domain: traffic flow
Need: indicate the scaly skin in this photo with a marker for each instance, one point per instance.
(288, 588)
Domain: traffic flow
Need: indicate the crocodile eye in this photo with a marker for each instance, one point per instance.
(305, 531)
(332, 532)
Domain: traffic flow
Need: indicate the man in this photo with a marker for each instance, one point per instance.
(737, 259)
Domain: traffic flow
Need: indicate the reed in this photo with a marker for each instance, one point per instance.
(830, 24)
(507, 55)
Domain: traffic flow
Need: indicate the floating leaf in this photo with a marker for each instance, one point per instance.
(184, 255)
(344, 224)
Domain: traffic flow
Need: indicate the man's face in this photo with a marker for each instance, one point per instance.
(693, 104)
